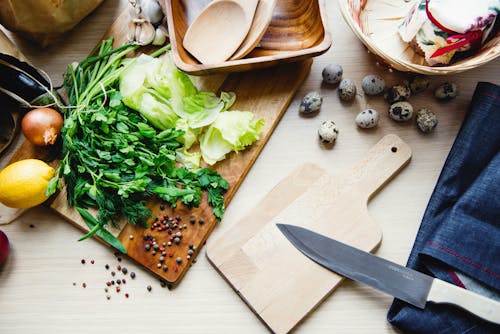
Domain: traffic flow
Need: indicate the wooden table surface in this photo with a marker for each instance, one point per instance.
(41, 284)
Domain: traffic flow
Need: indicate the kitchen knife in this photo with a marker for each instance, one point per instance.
(403, 283)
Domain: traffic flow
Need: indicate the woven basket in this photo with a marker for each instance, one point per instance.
(375, 22)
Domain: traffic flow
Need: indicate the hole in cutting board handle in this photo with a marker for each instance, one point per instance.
(394, 149)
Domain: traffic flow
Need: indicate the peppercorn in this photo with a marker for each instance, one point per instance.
(106, 266)
(192, 220)
(178, 259)
(162, 207)
(132, 275)
(177, 240)
(201, 221)
(165, 268)
(124, 270)
(149, 287)
(83, 261)
(118, 281)
(84, 284)
(113, 273)
(126, 295)
(190, 252)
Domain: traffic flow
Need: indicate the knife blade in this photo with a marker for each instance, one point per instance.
(401, 282)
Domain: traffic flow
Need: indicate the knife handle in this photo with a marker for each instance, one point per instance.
(483, 307)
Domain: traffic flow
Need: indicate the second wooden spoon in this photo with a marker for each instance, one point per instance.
(261, 20)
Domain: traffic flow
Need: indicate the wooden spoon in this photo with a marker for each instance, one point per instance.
(261, 20)
(219, 30)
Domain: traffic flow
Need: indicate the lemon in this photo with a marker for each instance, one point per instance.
(23, 183)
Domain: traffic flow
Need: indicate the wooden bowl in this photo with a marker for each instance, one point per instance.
(298, 30)
(375, 23)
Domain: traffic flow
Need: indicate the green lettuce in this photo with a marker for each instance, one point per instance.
(231, 131)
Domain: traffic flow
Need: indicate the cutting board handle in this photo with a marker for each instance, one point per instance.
(380, 164)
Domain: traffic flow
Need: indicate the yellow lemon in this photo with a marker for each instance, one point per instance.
(23, 183)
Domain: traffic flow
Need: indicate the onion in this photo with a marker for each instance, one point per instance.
(4, 247)
(41, 126)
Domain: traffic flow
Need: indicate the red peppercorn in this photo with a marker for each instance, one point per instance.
(176, 268)
(126, 295)
(117, 289)
(83, 261)
(118, 267)
(170, 254)
(124, 281)
(92, 261)
(84, 284)
(108, 283)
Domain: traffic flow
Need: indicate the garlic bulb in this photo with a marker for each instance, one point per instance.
(151, 10)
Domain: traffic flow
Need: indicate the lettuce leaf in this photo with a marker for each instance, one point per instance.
(231, 131)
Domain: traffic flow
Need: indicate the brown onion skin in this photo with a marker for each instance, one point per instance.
(42, 126)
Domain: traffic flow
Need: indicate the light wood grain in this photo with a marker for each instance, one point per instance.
(37, 295)
(267, 271)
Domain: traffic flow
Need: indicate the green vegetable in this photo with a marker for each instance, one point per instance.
(231, 131)
(113, 159)
(168, 98)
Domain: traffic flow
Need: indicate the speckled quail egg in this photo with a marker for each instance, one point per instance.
(373, 84)
(397, 93)
(446, 91)
(310, 103)
(332, 73)
(367, 118)
(401, 111)
(426, 120)
(347, 90)
(419, 83)
(328, 132)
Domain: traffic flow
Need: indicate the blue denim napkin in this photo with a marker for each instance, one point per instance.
(459, 237)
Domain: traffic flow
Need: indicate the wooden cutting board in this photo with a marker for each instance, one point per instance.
(267, 93)
(279, 283)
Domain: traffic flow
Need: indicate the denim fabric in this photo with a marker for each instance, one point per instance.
(460, 231)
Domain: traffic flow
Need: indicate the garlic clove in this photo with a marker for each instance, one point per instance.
(144, 33)
(161, 35)
(131, 29)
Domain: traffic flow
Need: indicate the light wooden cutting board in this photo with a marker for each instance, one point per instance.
(278, 282)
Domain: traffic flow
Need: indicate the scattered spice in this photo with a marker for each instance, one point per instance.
(113, 273)
(126, 295)
(84, 285)
(83, 261)
(149, 288)
(132, 275)
(178, 259)
(106, 266)
(108, 297)
(124, 271)
(92, 261)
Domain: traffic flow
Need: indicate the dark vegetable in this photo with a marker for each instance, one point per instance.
(20, 80)
(42, 126)
(8, 123)
(4, 247)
